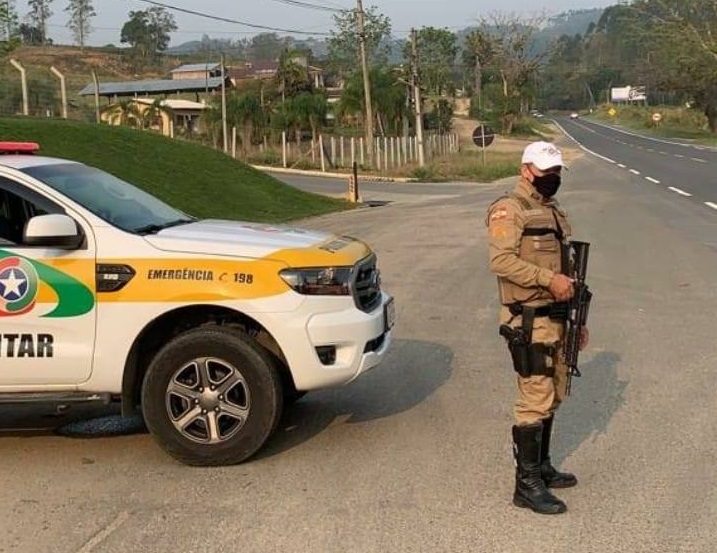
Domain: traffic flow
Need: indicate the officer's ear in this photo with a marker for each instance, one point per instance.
(526, 172)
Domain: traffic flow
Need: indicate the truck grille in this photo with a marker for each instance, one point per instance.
(367, 285)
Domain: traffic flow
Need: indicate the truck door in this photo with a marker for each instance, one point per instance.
(47, 299)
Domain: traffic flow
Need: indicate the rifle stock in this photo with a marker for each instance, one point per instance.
(578, 308)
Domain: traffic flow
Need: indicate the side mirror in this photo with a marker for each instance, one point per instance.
(52, 231)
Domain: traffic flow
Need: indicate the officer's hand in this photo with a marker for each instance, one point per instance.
(561, 287)
(584, 337)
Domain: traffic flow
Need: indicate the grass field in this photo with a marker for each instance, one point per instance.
(677, 122)
(193, 178)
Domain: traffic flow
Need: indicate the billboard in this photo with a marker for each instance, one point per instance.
(628, 94)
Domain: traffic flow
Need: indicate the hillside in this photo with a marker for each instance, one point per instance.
(193, 178)
(110, 63)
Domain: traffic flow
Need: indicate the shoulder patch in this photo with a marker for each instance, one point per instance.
(499, 214)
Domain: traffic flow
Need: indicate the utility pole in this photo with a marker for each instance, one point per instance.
(360, 17)
(416, 82)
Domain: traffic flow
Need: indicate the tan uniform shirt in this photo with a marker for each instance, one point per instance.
(525, 265)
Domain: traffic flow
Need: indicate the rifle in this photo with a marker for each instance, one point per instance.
(578, 308)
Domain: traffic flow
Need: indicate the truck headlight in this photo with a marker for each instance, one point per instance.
(319, 281)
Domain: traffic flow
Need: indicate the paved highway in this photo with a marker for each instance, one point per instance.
(416, 455)
(687, 170)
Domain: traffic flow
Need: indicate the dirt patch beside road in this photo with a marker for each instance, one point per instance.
(464, 127)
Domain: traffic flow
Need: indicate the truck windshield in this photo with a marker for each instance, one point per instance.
(119, 203)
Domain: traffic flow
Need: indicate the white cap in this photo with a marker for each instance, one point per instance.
(543, 155)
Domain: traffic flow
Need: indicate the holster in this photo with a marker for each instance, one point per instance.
(529, 359)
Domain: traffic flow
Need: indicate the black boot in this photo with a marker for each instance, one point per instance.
(530, 490)
(551, 477)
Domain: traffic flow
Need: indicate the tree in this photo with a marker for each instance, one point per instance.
(668, 46)
(683, 36)
(39, 13)
(147, 32)
(30, 35)
(8, 21)
(154, 114)
(388, 97)
(291, 77)
(125, 113)
(80, 13)
(437, 50)
(479, 53)
(310, 110)
(343, 45)
(267, 47)
(516, 61)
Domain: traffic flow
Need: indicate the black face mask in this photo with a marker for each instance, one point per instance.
(547, 185)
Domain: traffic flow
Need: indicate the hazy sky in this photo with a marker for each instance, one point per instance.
(404, 14)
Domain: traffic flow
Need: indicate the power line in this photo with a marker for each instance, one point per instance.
(182, 31)
(233, 21)
(299, 4)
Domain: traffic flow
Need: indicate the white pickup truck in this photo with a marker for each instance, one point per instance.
(205, 327)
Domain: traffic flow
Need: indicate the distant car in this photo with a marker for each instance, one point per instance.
(574, 116)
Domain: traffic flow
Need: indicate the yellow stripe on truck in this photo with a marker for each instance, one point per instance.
(169, 279)
(192, 280)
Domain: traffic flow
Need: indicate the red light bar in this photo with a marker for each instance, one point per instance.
(19, 147)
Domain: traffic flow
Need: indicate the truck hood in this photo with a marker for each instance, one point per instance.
(291, 245)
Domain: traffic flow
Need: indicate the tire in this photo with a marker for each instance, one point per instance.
(226, 424)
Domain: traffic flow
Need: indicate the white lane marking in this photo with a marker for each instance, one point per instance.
(566, 133)
(643, 136)
(698, 160)
(621, 166)
(680, 192)
(652, 180)
(712, 205)
(650, 149)
(680, 156)
(634, 172)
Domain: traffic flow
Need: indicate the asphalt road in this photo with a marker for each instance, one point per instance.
(378, 193)
(416, 455)
(681, 168)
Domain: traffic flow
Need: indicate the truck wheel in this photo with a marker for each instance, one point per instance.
(211, 397)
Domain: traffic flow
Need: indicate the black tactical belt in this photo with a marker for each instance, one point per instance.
(556, 311)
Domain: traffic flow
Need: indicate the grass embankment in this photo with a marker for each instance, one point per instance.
(502, 157)
(677, 122)
(193, 178)
(468, 166)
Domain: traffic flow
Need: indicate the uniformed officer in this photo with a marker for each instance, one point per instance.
(528, 233)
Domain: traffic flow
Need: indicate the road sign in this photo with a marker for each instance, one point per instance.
(657, 117)
(612, 112)
(483, 136)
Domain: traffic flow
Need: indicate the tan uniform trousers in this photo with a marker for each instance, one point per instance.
(540, 396)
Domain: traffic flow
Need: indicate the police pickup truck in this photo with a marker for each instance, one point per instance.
(206, 328)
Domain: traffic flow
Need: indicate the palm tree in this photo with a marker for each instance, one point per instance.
(154, 112)
(291, 76)
(244, 111)
(125, 112)
(388, 95)
(310, 110)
